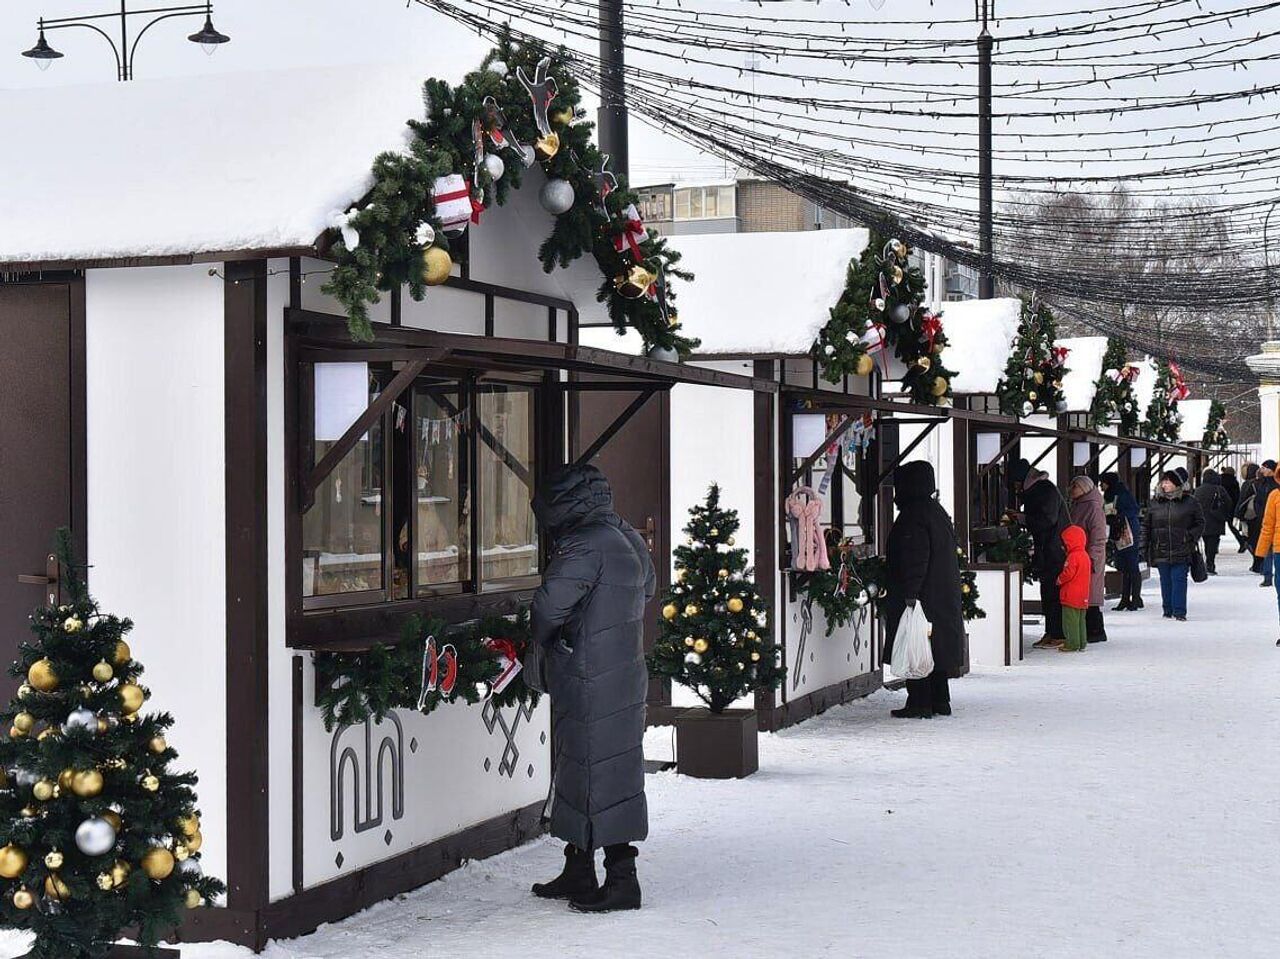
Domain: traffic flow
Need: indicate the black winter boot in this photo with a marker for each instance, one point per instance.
(621, 889)
(577, 879)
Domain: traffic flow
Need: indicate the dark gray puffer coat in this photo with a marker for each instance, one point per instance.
(589, 616)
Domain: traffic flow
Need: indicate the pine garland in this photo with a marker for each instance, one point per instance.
(354, 687)
(1016, 550)
(969, 595)
(1163, 421)
(854, 584)
(1215, 436)
(882, 305)
(1032, 380)
(1113, 398)
(394, 226)
(714, 636)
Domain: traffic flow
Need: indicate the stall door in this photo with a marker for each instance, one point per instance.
(637, 462)
(40, 444)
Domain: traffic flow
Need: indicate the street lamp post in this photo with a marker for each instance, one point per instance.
(1266, 256)
(208, 38)
(983, 10)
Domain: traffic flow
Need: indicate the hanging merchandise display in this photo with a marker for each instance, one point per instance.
(808, 545)
(467, 153)
(850, 591)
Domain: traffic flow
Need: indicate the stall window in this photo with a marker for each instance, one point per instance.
(843, 506)
(453, 463)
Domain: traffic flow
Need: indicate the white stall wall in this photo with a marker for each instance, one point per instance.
(814, 659)
(1269, 403)
(376, 790)
(156, 501)
(997, 590)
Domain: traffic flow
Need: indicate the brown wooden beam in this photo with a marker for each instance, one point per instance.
(903, 454)
(1047, 450)
(1000, 455)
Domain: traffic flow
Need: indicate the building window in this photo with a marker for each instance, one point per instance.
(395, 519)
(705, 202)
(655, 205)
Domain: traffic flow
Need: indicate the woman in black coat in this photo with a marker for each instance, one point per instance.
(1215, 502)
(923, 568)
(588, 618)
(1127, 513)
(1046, 515)
(1173, 524)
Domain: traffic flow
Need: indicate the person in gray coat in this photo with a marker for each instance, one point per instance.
(588, 621)
(1088, 513)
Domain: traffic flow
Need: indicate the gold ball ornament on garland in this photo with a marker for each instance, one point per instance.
(544, 148)
(865, 365)
(24, 722)
(43, 791)
(437, 265)
(53, 860)
(103, 672)
(73, 624)
(105, 882)
(150, 783)
(195, 841)
(691, 610)
(42, 676)
(669, 611)
(64, 778)
(122, 653)
(114, 818)
(964, 588)
(735, 604)
(158, 744)
(700, 646)
(1038, 376)
(940, 386)
(87, 783)
(924, 362)
(120, 872)
(158, 863)
(55, 888)
(193, 899)
(189, 825)
(181, 852)
(15, 732)
(13, 861)
(562, 117)
(131, 698)
(22, 899)
(634, 283)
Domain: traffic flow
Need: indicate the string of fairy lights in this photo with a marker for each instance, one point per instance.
(1174, 104)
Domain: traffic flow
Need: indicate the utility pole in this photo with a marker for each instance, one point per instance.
(983, 10)
(612, 124)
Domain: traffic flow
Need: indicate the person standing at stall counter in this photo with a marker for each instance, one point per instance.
(1046, 516)
(922, 567)
(588, 623)
(1088, 512)
(1127, 530)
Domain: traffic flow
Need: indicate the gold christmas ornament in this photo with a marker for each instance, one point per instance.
(865, 365)
(691, 610)
(105, 882)
(30, 812)
(735, 604)
(715, 531)
(700, 646)
(924, 362)
(940, 386)
(729, 541)
(896, 274)
(64, 778)
(24, 722)
(55, 888)
(42, 676)
(195, 841)
(964, 588)
(72, 624)
(53, 860)
(181, 852)
(114, 818)
(1031, 395)
(634, 282)
(23, 899)
(13, 861)
(150, 783)
(562, 117)
(120, 872)
(436, 265)
(158, 863)
(755, 657)
(103, 725)
(544, 148)
(189, 825)
(87, 783)
(669, 611)
(15, 732)
(193, 899)
(157, 744)
(131, 698)
(1038, 376)
(103, 672)
(723, 574)
(43, 791)
(122, 653)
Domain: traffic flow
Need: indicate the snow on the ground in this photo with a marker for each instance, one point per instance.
(1124, 802)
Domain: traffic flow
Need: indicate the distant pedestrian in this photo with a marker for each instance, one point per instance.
(1231, 483)
(1125, 533)
(1088, 512)
(1046, 516)
(1173, 524)
(922, 567)
(1073, 589)
(1215, 501)
(1247, 513)
(1263, 487)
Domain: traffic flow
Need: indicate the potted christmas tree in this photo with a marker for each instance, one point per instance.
(715, 640)
(97, 834)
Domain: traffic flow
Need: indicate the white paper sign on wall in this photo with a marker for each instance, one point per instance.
(342, 394)
(1080, 453)
(808, 430)
(1137, 456)
(988, 447)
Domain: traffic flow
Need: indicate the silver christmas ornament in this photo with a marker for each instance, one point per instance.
(556, 196)
(494, 165)
(901, 313)
(693, 659)
(498, 67)
(189, 868)
(664, 353)
(25, 777)
(95, 837)
(80, 719)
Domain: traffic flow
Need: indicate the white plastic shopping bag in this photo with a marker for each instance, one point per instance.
(912, 654)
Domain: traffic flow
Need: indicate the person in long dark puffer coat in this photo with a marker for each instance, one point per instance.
(1046, 516)
(1115, 492)
(922, 567)
(1246, 510)
(1215, 502)
(1231, 484)
(588, 617)
(1263, 486)
(1173, 524)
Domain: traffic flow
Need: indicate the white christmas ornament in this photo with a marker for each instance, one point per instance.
(80, 719)
(494, 165)
(556, 196)
(95, 837)
(498, 67)
(425, 234)
(693, 659)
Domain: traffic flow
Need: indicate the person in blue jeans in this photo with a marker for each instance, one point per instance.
(1171, 530)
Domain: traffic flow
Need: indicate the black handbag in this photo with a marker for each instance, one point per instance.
(1199, 572)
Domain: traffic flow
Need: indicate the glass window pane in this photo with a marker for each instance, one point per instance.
(682, 204)
(508, 531)
(695, 204)
(710, 206)
(440, 482)
(342, 531)
(728, 201)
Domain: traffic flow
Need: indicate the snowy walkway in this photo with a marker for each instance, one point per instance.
(1121, 803)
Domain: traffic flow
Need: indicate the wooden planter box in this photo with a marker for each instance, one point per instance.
(710, 746)
(133, 952)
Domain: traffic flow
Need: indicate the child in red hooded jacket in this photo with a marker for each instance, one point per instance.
(1073, 589)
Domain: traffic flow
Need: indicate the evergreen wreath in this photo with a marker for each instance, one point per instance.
(1113, 397)
(881, 310)
(1215, 435)
(1032, 380)
(354, 687)
(394, 235)
(1163, 422)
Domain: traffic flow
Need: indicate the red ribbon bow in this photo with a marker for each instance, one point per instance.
(1180, 389)
(501, 647)
(1060, 355)
(930, 328)
(633, 233)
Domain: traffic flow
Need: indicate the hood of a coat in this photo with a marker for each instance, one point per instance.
(1073, 537)
(1084, 484)
(1211, 478)
(913, 483)
(570, 497)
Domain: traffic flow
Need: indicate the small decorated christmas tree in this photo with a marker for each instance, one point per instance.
(1113, 399)
(1163, 421)
(97, 834)
(1032, 381)
(1215, 434)
(715, 638)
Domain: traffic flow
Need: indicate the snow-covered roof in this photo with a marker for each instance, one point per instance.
(249, 161)
(1084, 366)
(1195, 419)
(980, 334)
(1144, 387)
(762, 293)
